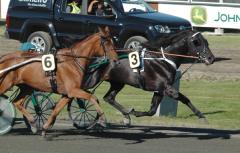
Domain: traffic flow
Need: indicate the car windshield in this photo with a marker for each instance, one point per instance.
(136, 6)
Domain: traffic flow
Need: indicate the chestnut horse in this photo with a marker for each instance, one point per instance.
(70, 68)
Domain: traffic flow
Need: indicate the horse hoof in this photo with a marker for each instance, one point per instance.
(203, 121)
(44, 133)
(102, 123)
(33, 128)
(127, 120)
(130, 110)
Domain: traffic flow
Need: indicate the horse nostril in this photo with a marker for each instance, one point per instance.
(211, 59)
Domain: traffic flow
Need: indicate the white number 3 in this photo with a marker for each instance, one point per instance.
(134, 59)
(48, 62)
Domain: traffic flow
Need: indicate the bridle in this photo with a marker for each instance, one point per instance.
(103, 40)
(200, 54)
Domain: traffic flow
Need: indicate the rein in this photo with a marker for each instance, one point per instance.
(169, 54)
(157, 52)
(102, 44)
(76, 61)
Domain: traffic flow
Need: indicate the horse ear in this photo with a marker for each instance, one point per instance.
(104, 30)
(107, 31)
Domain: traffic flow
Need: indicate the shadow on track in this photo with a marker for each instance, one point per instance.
(135, 134)
(207, 113)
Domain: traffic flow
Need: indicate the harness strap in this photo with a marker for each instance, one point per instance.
(164, 59)
(142, 59)
(178, 78)
(53, 81)
(77, 63)
(168, 61)
(103, 39)
(21, 64)
(156, 52)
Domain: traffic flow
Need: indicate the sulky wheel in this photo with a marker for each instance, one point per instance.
(82, 113)
(40, 105)
(7, 115)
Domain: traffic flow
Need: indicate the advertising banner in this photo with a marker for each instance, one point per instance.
(4, 8)
(205, 16)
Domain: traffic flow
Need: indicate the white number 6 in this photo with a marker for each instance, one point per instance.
(48, 62)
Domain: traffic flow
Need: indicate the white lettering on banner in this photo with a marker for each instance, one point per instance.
(35, 1)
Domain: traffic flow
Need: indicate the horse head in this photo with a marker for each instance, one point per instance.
(190, 43)
(198, 46)
(106, 45)
(97, 45)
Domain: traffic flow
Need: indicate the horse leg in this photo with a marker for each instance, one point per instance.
(78, 93)
(6, 82)
(19, 102)
(156, 99)
(60, 105)
(173, 93)
(110, 96)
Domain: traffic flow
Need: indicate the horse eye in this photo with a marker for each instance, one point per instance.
(196, 42)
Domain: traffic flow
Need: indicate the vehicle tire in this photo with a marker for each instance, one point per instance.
(42, 40)
(7, 115)
(82, 113)
(134, 42)
(43, 112)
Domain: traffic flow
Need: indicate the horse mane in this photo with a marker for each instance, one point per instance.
(70, 42)
(166, 40)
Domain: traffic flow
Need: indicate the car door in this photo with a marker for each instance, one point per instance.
(69, 27)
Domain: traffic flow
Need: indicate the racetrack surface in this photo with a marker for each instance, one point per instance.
(116, 139)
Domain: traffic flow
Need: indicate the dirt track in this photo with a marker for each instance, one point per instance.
(226, 67)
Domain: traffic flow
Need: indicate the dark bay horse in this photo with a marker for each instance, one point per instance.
(70, 69)
(158, 73)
